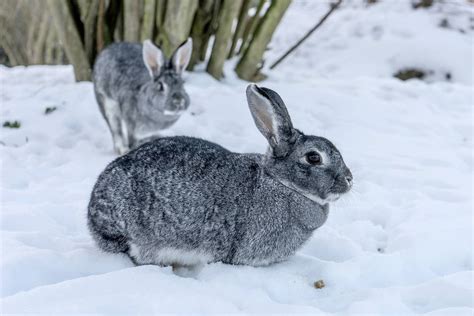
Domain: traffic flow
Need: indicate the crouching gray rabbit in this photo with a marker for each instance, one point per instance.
(139, 92)
(184, 201)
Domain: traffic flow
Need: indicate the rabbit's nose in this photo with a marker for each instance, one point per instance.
(349, 180)
(178, 103)
(177, 99)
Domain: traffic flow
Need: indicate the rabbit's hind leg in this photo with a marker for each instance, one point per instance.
(187, 271)
(109, 242)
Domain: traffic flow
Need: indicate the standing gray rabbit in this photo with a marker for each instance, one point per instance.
(139, 92)
(185, 201)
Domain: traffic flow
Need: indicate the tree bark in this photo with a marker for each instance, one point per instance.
(201, 25)
(69, 37)
(39, 44)
(248, 66)
(50, 47)
(14, 29)
(132, 12)
(176, 25)
(119, 31)
(220, 50)
(239, 30)
(250, 27)
(210, 29)
(32, 34)
(88, 10)
(113, 16)
(101, 27)
(159, 18)
(148, 25)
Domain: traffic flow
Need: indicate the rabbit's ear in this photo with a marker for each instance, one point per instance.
(272, 119)
(182, 55)
(153, 58)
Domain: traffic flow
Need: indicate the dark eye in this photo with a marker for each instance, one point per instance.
(313, 158)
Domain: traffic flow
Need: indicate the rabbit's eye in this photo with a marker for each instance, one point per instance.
(313, 158)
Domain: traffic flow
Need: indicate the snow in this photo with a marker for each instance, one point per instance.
(400, 243)
(378, 40)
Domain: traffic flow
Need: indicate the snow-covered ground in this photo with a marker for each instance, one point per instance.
(400, 243)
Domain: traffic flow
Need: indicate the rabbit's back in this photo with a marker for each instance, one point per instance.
(120, 69)
(177, 192)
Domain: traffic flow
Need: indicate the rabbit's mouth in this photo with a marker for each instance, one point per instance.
(331, 197)
(173, 113)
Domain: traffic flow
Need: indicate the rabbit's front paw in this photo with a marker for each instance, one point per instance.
(187, 271)
(120, 149)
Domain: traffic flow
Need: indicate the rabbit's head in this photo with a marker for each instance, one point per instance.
(166, 92)
(310, 165)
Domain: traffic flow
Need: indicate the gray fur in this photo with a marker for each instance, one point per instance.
(139, 92)
(183, 201)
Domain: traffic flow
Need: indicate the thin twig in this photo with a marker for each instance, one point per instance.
(333, 8)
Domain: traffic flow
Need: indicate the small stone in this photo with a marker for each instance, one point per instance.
(319, 284)
(50, 110)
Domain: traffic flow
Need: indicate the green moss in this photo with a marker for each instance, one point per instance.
(422, 4)
(410, 73)
(14, 124)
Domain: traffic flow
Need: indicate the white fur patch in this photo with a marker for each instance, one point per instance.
(313, 197)
(134, 250)
(143, 135)
(113, 115)
(124, 133)
(111, 108)
(170, 256)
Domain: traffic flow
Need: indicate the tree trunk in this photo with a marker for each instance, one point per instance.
(176, 25)
(159, 18)
(39, 45)
(15, 56)
(132, 12)
(32, 33)
(119, 31)
(201, 25)
(113, 16)
(210, 29)
(88, 10)
(14, 25)
(220, 50)
(101, 27)
(243, 17)
(69, 37)
(50, 47)
(148, 25)
(250, 27)
(248, 66)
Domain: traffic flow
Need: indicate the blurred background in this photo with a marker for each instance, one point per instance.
(75, 31)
